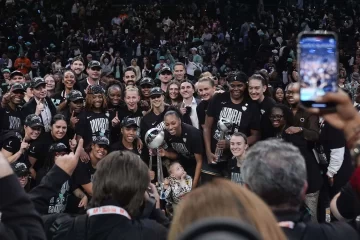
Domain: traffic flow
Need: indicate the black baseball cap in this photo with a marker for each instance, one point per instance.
(17, 87)
(96, 89)
(93, 64)
(75, 95)
(16, 73)
(20, 169)
(156, 91)
(58, 147)
(237, 76)
(165, 69)
(128, 122)
(146, 81)
(37, 82)
(33, 120)
(101, 140)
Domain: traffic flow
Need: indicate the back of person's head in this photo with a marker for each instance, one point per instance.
(276, 172)
(123, 177)
(222, 198)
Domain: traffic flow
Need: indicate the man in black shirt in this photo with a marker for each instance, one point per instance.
(128, 136)
(276, 172)
(94, 74)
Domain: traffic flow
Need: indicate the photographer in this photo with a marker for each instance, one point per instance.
(124, 200)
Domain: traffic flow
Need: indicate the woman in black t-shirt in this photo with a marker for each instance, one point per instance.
(94, 120)
(206, 89)
(115, 96)
(281, 118)
(84, 172)
(59, 201)
(187, 142)
(39, 149)
(236, 107)
(259, 92)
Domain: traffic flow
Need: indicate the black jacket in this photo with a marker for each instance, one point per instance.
(62, 226)
(19, 220)
(313, 231)
(30, 107)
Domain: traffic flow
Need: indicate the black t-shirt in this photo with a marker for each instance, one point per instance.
(58, 98)
(10, 119)
(189, 143)
(244, 116)
(201, 112)
(39, 148)
(12, 144)
(92, 124)
(235, 172)
(119, 146)
(265, 107)
(83, 174)
(151, 120)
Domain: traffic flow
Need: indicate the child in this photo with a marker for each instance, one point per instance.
(177, 184)
(238, 146)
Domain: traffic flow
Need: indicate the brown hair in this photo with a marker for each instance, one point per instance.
(89, 102)
(223, 198)
(167, 95)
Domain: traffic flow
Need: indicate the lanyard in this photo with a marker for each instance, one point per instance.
(108, 210)
(287, 224)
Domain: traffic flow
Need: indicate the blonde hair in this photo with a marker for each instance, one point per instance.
(131, 89)
(205, 74)
(223, 198)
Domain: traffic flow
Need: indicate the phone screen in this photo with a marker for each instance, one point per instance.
(318, 67)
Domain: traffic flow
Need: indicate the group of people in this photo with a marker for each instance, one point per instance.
(220, 104)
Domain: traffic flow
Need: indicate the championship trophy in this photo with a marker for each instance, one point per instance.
(225, 126)
(154, 139)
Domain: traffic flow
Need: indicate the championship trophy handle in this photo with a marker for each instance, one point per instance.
(219, 152)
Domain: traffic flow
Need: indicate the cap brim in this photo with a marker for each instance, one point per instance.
(38, 84)
(165, 71)
(77, 98)
(36, 125)
(18, 89)
(131, 125)
(146, 83)
(98, 67)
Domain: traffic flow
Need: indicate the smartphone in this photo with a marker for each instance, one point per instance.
(317, 67)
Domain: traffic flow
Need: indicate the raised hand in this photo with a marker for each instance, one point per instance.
(73, 120)
(39, 108)
(69, 161)
(24, 146)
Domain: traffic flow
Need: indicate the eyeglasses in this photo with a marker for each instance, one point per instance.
(155, 96)
(277, 116)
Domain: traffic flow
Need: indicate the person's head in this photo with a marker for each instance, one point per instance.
(281, 116)
(279, 95)
(89, 57)
(173, 91)
(129, 76)
(77, 65)
(69, 79)
(187, 89)
(123, 177)
(193, 51)
(114, 93)
(94, 70)
(134, 62)
(58, 127)
(58, 59)
(257, 87)
(162, 60)
(128, 129)
(132, 97)
(237, 85)
(165, 75)
(38, 86)
(289, 95)
(17, 77)
(206, 88)
(223, 198)
(238, 144)
(50, 82)
(342, 79)
(22, 173)
(175, 170)
(179, 71)
(172, 122)
(6, 74)
(157, 98)
(99, 148)
(276, 172)
(76, 101)
(33, 126)
(55, 150)
(17, 93)
(145, 85)
(95, 98)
